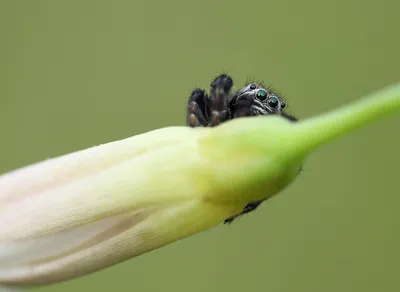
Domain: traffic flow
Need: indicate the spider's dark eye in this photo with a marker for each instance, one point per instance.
(283, 105)
(253, 86)
(273, 102)
(261, 94)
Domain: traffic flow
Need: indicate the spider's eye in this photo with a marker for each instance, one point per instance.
(261, 94)
(283, 105)
(253, 86)
(273, 102)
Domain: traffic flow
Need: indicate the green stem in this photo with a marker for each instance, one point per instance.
(329, 126)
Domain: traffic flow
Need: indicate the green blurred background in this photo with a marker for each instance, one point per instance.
(75, 74)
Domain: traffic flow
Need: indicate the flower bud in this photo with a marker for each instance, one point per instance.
(85, 211)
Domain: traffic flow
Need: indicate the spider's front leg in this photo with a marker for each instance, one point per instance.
(197, 109)
(220, 94)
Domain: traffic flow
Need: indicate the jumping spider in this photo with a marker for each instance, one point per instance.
(221, 105)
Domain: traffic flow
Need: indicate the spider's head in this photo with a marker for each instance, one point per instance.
(255, 100)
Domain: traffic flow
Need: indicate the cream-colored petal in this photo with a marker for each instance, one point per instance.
(129, 236)
(17, 252)
(67, 200)
(57, 171)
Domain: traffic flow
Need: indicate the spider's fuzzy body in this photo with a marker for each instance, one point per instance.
(221, 105)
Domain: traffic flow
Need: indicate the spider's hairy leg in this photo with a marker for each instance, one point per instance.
(219, 95)
(289, 117)
(196, 114)
(247, 209)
